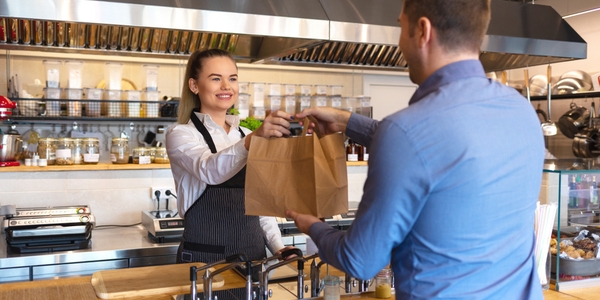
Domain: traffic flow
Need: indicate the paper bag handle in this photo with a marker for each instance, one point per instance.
(306, 123)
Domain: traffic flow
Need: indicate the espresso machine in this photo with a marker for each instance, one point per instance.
(10, 142)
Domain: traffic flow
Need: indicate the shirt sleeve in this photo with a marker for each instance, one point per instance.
(193, 155)
(272, 233)
(361, 129)
(394, 194)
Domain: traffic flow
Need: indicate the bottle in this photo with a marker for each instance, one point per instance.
(360, 151)
(383, 284)
(581, 194)
(351, 153)
(77, 151)
(365, 153)
(594, 193)
(572, 192)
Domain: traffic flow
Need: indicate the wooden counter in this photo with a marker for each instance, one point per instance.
(102, 167)
(80, 288)
(97, 167)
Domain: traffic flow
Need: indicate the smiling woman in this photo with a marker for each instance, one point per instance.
(208, 150)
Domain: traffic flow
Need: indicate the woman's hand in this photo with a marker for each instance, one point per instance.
(285, 249)
(276, 124)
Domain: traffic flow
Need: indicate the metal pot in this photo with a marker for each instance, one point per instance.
(10, 147)
(573, 121)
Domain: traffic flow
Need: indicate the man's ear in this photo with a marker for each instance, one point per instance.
(423, 31)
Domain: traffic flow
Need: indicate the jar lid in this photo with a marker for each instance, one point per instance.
(64, 139)
(90, 140)
(47, 139)
(118, 139)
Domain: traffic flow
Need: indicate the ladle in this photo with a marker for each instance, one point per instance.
(549, 127)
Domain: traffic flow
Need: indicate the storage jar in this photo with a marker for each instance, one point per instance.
(119, 151)
(64, 151)
(91, 151)
(47, 150)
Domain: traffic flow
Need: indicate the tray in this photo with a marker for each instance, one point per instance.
(584, 267)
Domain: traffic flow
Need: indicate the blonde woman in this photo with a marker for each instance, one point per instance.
(208, 152)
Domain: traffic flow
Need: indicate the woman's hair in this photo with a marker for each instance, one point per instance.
(190, 101)
(461, 24)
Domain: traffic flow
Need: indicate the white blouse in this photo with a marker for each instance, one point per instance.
(194, 166)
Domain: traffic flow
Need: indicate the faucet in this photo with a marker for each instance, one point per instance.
(348, 283)
(236, 260)
(314, 275)
(264, 275)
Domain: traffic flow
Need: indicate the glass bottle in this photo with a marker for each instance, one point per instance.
(160, 156)
(359, 151)
(47, 150)
(77, 151)
(351, 153)
(119, 151)
(64, 151)
(383, 284)
(91, 151)
(594, 194)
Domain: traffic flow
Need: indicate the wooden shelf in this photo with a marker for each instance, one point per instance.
(357, 163)
(98, 167)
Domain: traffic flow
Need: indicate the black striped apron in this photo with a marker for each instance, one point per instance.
(216, 226)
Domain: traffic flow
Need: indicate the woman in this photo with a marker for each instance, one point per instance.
(208, 151)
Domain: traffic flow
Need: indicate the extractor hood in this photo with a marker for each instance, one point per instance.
(331, 33)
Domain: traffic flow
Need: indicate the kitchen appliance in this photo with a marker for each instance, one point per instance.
(161, 226)
(10, 143)
(321, 33)
(48, 229)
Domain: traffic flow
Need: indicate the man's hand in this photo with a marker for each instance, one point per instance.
(303, 222)
(331, 120)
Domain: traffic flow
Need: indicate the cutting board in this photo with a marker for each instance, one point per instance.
(145, 281)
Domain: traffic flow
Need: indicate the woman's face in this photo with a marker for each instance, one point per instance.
(217, 85)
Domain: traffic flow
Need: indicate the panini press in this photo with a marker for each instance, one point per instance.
(48, 229)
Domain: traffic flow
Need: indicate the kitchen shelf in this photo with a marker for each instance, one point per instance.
(24, 119)
(98, 167)
(567, 96)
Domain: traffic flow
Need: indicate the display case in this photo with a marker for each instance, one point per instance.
(572, 185)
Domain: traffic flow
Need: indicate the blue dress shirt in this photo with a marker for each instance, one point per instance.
(450, 195)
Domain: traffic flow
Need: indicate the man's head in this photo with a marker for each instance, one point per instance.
(452, 27)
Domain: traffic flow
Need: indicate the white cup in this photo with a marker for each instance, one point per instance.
(42, 162)
(28, 161)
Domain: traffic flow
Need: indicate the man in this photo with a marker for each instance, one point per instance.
(453, 179)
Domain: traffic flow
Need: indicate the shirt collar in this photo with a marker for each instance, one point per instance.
(448, 74)
(206, 119)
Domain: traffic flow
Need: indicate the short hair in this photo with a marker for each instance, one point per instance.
(461, 24)
(190, 101)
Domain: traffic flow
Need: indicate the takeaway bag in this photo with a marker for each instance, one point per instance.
(306, 174)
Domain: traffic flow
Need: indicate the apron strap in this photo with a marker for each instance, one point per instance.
(204, 132)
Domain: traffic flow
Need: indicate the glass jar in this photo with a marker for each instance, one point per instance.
(77, 151)
(331, 287)
(351, 151)
(64, 151)
(90, 151)
(383, 284)
(47, 150)
(160, 157)
(151, 151)
(141, 155)
(119, 150)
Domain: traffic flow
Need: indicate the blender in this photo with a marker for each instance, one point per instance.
(10, 142)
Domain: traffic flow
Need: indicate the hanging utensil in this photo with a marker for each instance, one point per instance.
(504, 78)
(548, 127)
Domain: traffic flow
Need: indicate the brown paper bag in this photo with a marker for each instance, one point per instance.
(306, 174)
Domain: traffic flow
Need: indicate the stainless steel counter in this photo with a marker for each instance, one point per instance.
(110, 248)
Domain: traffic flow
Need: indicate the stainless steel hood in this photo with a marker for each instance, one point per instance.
(332, 33)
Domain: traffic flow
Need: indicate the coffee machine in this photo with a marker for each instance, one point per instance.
(10, 143)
